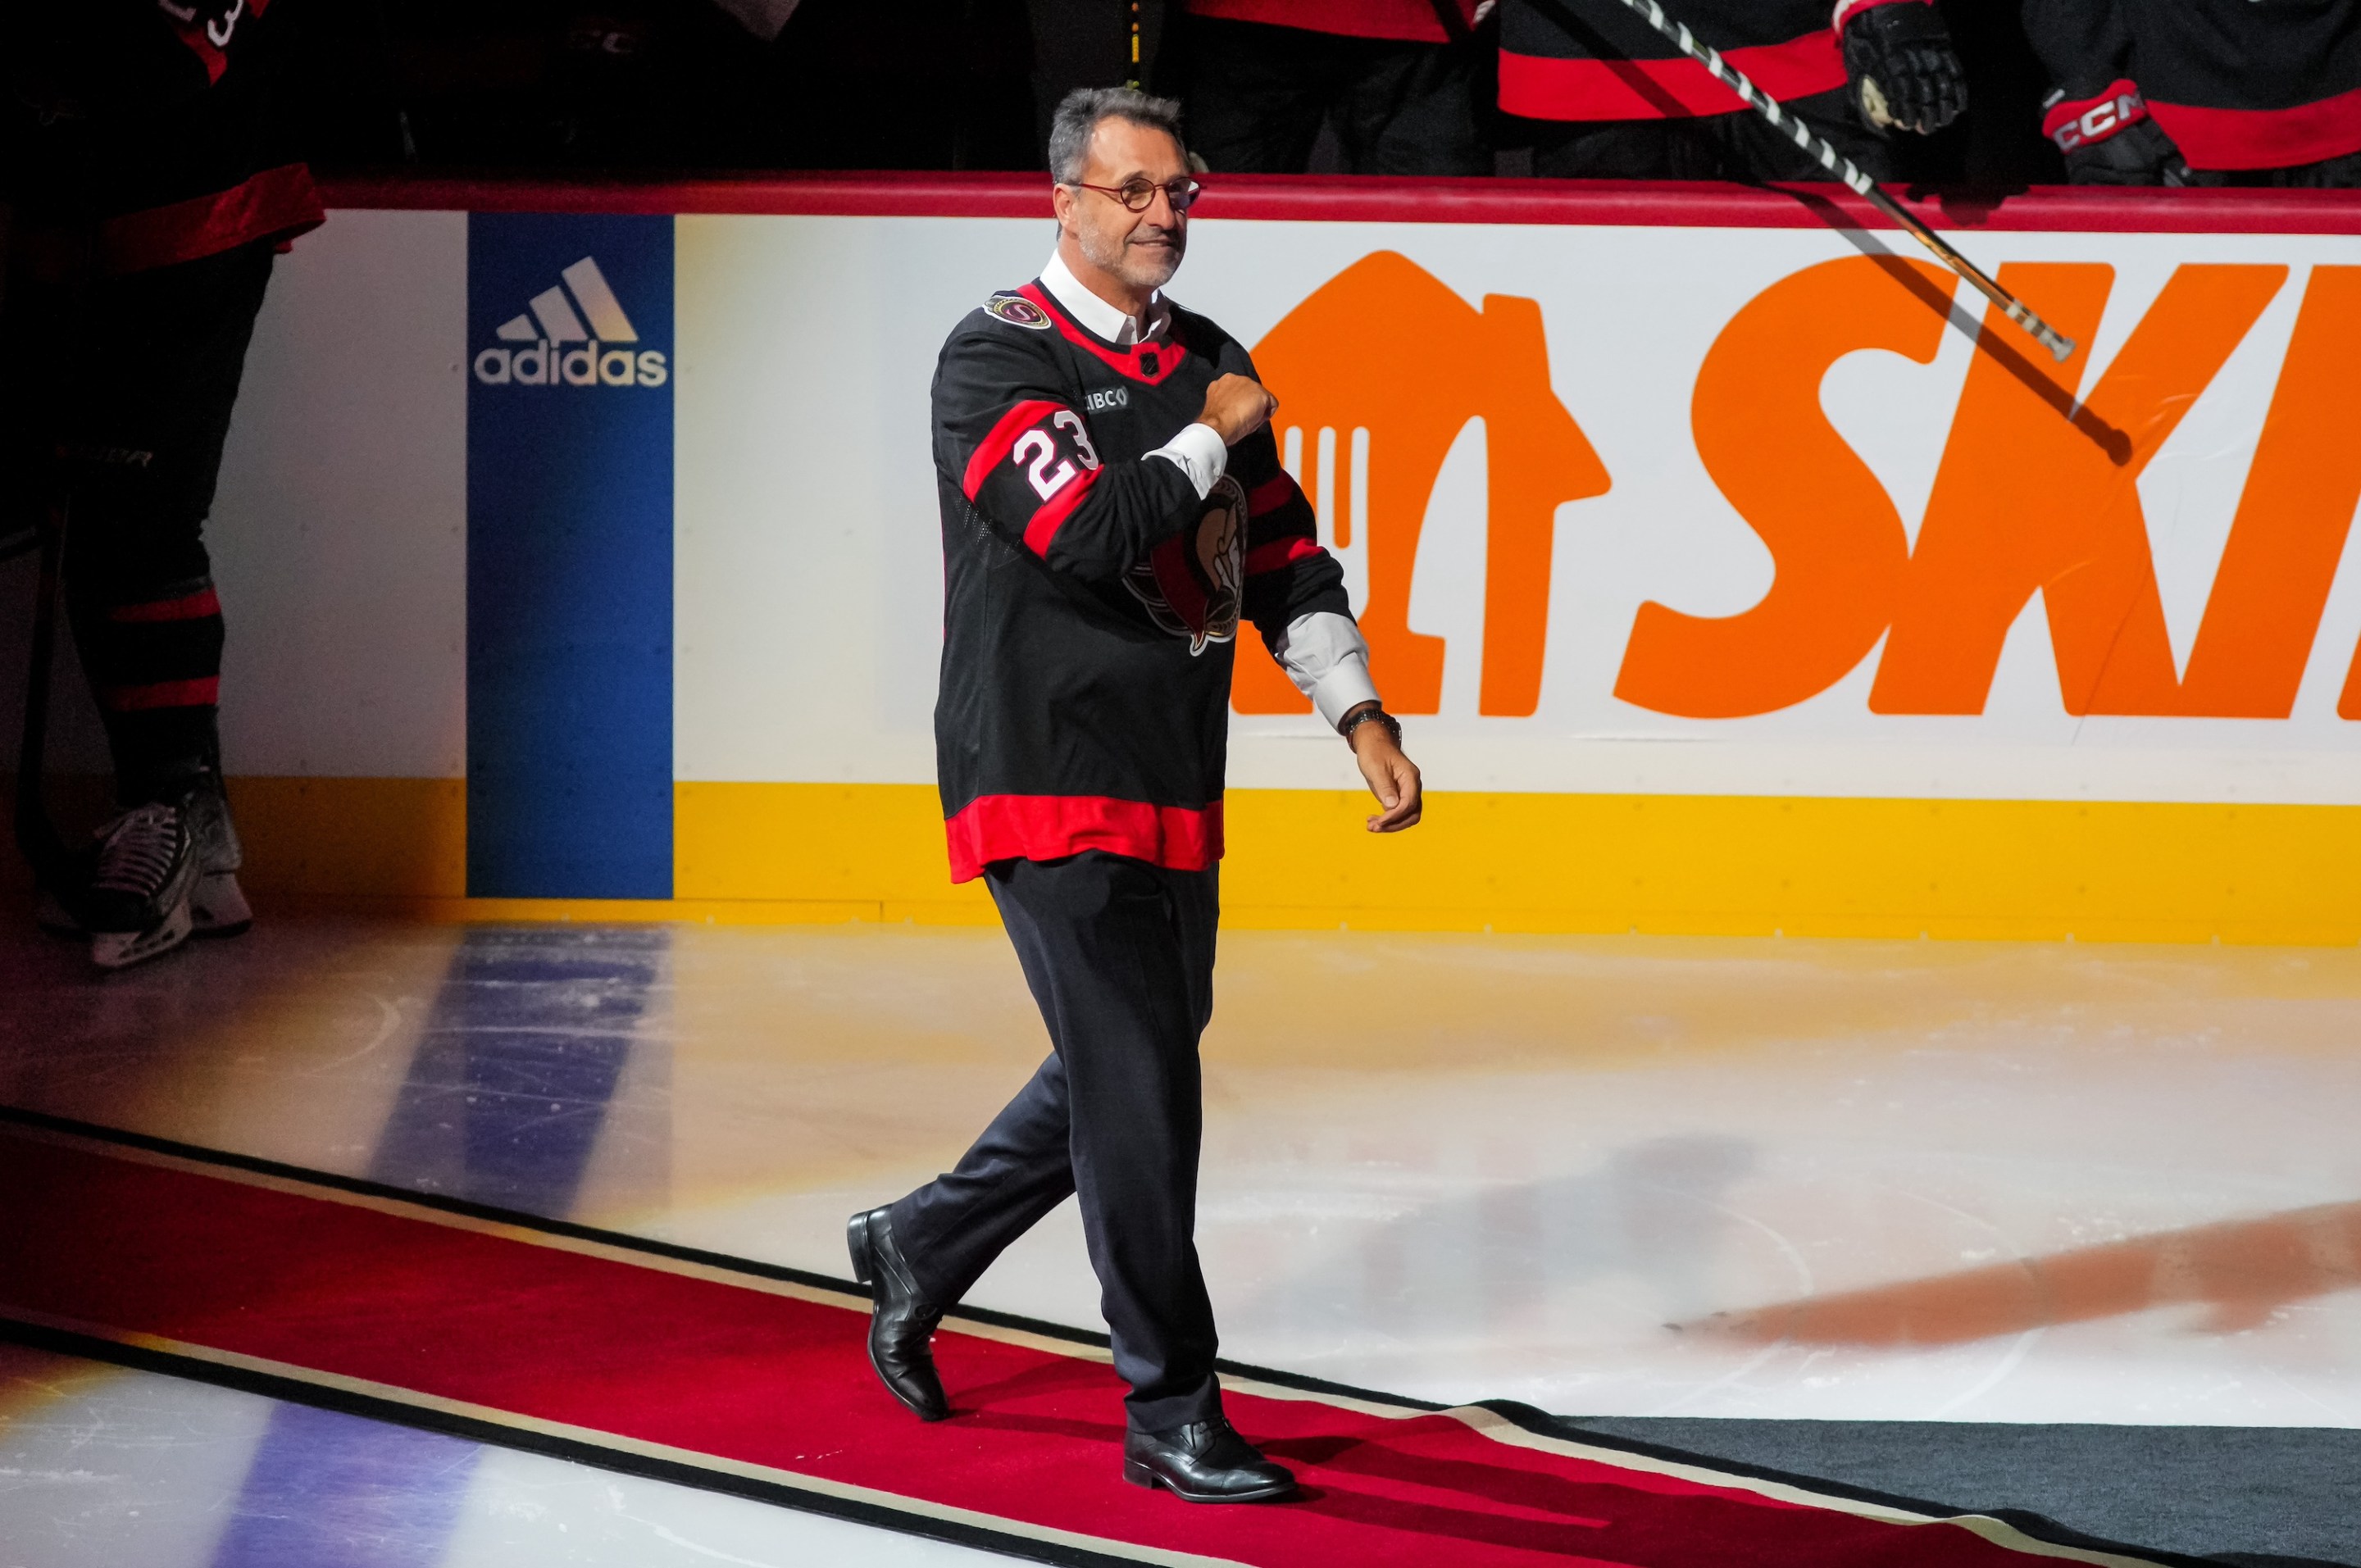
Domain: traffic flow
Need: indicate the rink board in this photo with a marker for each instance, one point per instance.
(1731, 572)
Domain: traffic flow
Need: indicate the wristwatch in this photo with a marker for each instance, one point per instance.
(1368, 714)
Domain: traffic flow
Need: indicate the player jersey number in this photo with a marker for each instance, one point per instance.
(1036, 449)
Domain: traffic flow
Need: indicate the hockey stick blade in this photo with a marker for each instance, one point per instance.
(2059, 345)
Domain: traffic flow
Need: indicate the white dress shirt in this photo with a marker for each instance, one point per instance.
(1324, 652)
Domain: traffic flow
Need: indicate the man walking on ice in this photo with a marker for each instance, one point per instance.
(1113, 505)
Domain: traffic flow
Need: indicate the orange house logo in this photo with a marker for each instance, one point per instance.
(1379, 371)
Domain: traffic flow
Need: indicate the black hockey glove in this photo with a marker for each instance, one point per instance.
(1898, 57)
(2109, 139)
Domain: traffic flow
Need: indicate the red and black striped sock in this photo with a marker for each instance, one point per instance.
(154, 664)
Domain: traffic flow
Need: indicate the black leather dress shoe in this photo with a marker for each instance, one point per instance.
(903, 1321)
(1204, 1461)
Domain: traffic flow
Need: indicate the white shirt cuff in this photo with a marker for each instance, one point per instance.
(1324, 654)
(1199, 452)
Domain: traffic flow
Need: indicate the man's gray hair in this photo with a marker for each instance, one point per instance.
(1079, 112)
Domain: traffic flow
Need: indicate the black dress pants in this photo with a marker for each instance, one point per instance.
(1120, 957)
(1257, 94)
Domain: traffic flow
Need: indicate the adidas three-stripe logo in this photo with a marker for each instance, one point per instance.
(581, 311)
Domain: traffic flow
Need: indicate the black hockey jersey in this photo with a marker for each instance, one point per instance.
(154, 130)
(1595, 60)
(1090, 595)
(2235, 83)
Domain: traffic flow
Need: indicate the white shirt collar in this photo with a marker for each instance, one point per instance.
(1095, 314)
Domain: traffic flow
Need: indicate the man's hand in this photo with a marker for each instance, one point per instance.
(1236, 406)
(1392, 778)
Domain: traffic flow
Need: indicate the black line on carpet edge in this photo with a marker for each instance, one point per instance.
(2038, 1527)
(296, 1391)
(363, 1187)
(1526, 1417)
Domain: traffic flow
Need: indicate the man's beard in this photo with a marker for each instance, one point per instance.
(1141, 270)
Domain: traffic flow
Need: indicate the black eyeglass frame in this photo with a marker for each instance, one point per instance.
(1190, 190)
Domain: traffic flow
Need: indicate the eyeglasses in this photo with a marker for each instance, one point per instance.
(1139, 194)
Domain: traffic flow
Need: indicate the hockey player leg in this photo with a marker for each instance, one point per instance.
(1616, 149)
(146, 619)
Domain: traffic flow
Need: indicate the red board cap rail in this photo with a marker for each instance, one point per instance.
(1373, 198)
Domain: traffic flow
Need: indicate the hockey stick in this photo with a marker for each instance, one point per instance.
(2060, 347)
(37, 836)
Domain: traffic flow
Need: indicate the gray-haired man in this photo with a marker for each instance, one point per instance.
(1113, 506)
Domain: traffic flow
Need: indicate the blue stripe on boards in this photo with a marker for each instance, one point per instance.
(569, 555)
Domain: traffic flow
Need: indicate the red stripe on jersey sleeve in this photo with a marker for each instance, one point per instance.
(1271, 494)
(1055, 509)
(1544, 88)
(1278, 553)
(276, 203)
(188, 606)
(1050, 827)
(203, 692)
(997, 445)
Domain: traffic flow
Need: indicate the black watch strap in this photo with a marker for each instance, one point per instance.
(1371, 714)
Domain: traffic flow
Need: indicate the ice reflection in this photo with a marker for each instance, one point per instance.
(506, 1099)
(1652, 1218)
(519, 1063)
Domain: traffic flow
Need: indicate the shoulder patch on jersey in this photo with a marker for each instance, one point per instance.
(1018, 311)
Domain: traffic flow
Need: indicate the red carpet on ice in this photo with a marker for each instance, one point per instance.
(553, 1341)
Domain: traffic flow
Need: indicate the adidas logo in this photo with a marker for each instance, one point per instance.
(581, 311)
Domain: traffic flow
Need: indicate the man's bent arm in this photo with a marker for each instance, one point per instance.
(1023, 457)
(1295, 590)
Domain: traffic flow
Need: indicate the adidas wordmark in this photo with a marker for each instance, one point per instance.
(559, 349)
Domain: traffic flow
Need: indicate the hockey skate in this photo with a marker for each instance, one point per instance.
(138, 904)
(217, 906)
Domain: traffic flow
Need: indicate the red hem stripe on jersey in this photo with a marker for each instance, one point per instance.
(1271, 494)
(1050, 827)
(1057, 509)
(203, 692)
(2263, 138)
(1408, 21)
(278, 203)
(1279, 553)
(1003, 440)
(188, 606)
(1546, 89)
(1132, 362)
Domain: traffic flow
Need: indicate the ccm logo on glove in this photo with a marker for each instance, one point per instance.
(2086, 121)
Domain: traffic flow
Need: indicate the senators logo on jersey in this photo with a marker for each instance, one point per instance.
(1194, 584)
(1018, 311)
